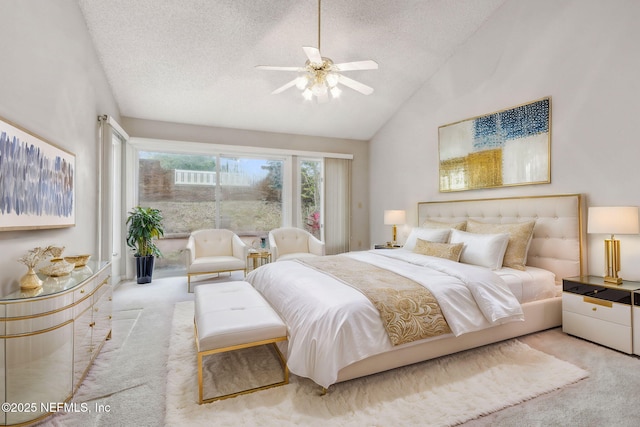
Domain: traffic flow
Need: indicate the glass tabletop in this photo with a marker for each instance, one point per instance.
(53, 285)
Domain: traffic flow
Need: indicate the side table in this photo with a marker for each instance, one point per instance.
(599, 311)
(256, 259)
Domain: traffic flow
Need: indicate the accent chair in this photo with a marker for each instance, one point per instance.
(291, 243)
(212, 251)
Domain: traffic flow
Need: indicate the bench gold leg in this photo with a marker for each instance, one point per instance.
(283, 363)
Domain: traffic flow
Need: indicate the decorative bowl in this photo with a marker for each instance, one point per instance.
(78, 260)
(58, 267)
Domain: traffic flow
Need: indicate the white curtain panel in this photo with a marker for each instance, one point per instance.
(111, 211)
(337, 205)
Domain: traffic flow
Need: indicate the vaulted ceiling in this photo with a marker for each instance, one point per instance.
(193, 61)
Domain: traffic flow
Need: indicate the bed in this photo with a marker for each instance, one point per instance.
(335, 332)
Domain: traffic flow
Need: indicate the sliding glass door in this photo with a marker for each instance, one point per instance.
(249, 191)
(196, 191)
(310, 196)
(250, 196)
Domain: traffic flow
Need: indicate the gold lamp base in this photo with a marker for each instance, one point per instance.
(614, 280)
(612, 261)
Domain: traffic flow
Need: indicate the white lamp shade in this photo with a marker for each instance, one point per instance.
(613, 220)
(394, 217)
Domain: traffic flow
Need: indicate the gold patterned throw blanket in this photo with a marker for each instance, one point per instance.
(408, 310)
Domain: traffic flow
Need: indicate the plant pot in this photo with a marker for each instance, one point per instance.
(144, 268)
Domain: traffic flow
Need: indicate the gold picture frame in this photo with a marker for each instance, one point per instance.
(37, 181)
(505, 148)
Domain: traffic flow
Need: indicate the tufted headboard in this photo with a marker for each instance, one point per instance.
(559, 240)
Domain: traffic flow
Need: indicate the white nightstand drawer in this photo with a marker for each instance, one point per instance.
(636, 329)
(602, 332)
(597, 309)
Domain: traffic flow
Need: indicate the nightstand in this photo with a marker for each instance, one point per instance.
(598, 311)
(387, 246)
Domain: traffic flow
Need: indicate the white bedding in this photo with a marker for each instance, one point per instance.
(332, 325)
(530, 285)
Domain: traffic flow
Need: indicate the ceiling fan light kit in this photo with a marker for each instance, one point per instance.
(320, 77)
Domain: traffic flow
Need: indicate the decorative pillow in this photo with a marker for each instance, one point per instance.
(442, 250)
(520, 235)
(440, 235)
(485, 250)
(442, 224)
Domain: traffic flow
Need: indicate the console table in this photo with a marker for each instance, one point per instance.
(49, 338)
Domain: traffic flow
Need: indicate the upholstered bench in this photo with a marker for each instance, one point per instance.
(231, 316)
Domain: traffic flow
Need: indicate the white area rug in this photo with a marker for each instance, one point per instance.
(442, 392)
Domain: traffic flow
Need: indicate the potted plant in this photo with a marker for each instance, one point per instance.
(145, 224)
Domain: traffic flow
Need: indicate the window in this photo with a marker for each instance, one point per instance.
(310, 185)
(248, 190)
(250, 196)
(196, 191)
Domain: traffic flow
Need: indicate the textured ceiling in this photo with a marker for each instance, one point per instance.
(193, 61)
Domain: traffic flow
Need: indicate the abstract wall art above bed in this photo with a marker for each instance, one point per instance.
(37, 182)
(505, 148)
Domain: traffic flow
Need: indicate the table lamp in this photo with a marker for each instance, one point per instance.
(394, 218)
(613, 220)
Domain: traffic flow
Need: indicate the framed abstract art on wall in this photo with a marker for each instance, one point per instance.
(37, 181)
(505, 148)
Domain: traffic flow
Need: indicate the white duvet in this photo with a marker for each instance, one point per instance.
(332, 325)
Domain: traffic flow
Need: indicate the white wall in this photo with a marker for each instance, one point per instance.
(224, 136)
(582, 53)
(52, 84)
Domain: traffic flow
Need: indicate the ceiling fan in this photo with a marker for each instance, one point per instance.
(320, 76)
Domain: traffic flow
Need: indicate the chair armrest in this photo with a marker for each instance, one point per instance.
(316, 246)
(273, 247)
(239, 248)
(190, 251)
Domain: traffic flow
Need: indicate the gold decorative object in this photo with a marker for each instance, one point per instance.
(30, 293)
(78, 260)
(30, 280)
(33, 257)
(58, 267)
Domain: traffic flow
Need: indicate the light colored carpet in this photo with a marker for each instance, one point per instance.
(441, 392)
(130, 373)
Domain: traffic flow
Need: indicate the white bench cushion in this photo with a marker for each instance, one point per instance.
(234, 313)
(217, 263)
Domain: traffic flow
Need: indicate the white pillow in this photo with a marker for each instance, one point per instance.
(436, 235)
(485, 250)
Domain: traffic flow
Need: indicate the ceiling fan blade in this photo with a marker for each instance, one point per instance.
(357, 86)
(284, 87)
(313, 53)
(276, 68)
(357, 65)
